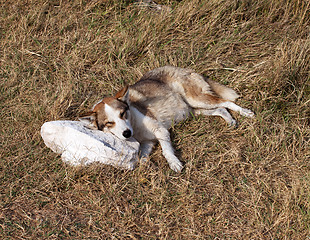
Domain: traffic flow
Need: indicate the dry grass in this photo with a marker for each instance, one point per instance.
(58, 57)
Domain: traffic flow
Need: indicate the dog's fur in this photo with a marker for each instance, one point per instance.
(166, 95)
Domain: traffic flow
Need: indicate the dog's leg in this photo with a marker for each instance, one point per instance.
(209, 102)
(163, 137)
(145, 150)
(199, 95)
(222, 112)
(232, 106)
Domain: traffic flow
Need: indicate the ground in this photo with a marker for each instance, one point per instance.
(57, 58)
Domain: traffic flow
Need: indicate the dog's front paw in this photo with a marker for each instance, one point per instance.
(247, 113)
(176, 165)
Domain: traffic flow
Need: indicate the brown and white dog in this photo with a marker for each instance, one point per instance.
(163, 96)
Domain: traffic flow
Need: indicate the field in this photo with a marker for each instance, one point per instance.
(57, 58)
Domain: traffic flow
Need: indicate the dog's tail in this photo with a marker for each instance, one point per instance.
(223, 91)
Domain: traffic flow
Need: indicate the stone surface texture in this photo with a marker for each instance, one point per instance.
(79, 145)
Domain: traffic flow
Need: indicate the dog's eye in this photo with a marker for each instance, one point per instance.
(123, 114)
(109, 124)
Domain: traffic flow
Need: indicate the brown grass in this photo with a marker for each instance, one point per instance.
(59, 57)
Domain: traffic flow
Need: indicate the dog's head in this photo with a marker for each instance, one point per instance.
(111, 115)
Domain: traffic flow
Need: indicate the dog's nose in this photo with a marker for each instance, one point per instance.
(127, 133)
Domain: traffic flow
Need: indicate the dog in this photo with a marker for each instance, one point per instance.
(162, 97)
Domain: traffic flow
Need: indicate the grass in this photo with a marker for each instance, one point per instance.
(57, 58)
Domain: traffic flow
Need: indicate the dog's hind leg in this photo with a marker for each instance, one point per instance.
(197, 98)
(206, 94)
(222, 112)
(207, 101)
(234, 107)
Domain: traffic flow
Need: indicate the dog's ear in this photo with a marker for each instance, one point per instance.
(89, 119)
(123, 94)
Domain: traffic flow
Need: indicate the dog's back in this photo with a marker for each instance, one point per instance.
(166, 93)
(153, 97)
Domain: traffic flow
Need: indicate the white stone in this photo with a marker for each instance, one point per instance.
(79, 145)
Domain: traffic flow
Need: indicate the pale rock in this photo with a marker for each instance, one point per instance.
(79, 145)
